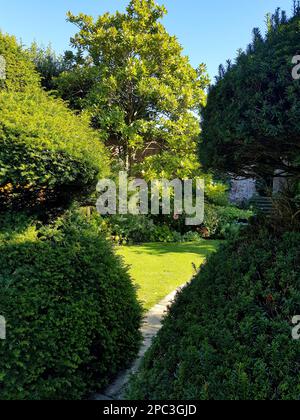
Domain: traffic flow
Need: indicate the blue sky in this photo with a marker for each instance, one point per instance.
(210, 31)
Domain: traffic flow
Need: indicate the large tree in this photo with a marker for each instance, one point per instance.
(131, 76)
(252, 119)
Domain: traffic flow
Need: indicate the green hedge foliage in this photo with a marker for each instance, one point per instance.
(20, 72)
(132, 229)
(72, 314)
(47, 154)
(221, 222)
(229, 334)
(250, 125)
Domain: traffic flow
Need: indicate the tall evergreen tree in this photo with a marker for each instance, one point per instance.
(251, 121)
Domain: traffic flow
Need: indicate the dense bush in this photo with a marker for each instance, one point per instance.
(220, 221)
(46, 153)
(251, 121)
(72, 315)
(286, 208)
(20, 74)
(228, 335)
(192, 237)
(133, 229)
(127, 229)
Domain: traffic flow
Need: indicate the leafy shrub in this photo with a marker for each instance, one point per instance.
(136, 229)
(15, 225)
(230, 231)
(228, 335)
(285, 213)
(72, 315)
(174, 223)
(47, 154)
(192, 237)
(220, 221)
(164, 234)
(129, 229)
(216, 192)
(19, 71)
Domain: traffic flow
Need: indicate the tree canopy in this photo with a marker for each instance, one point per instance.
(48, 64)
(139, 89)
(251, 121)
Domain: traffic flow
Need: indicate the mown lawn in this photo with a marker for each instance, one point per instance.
(158, 269)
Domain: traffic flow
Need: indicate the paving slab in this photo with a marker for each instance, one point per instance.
(151, 325)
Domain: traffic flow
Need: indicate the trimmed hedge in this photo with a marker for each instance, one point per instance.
(229, 334)
(19, 70)
(48, 155)
(72, 314)
(250, 124)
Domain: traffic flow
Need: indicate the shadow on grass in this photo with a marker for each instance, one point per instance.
(203, 248)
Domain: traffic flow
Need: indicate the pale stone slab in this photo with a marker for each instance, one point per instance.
(150, 328)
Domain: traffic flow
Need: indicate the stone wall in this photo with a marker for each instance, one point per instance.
(242, 190)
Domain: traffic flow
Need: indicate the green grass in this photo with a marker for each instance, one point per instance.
(158, 269)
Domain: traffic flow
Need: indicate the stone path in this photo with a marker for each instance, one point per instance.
(151, 325)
